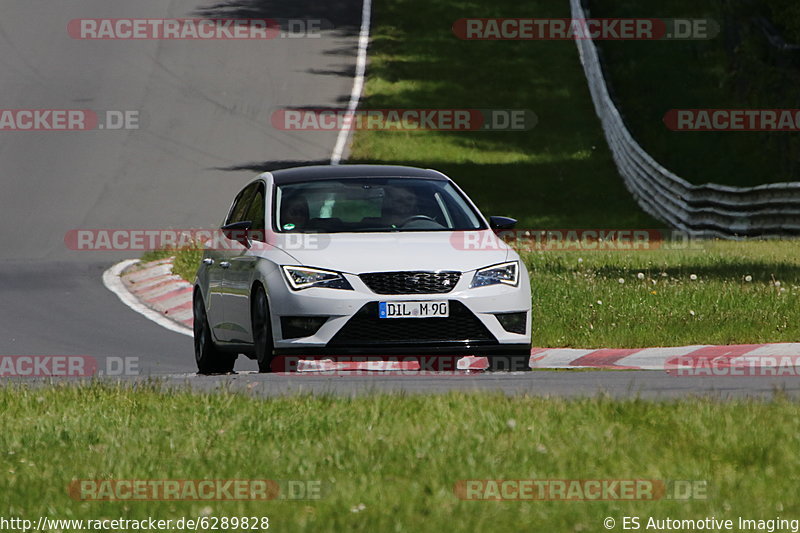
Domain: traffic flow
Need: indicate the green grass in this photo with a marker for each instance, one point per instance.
(737, 70)
(667, 307)
(553, 175)
(550, 176)
(380, 453)
(185, 263)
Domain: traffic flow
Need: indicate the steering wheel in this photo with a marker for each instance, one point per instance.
(418, 217)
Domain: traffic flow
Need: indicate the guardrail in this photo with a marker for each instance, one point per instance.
(708, 210)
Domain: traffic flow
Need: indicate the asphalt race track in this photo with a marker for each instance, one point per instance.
(204, 130)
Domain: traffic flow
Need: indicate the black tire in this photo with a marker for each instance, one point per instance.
(263, 344)
(209, 358)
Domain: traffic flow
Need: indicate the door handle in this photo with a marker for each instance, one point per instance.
(225, 264)
(208, 261)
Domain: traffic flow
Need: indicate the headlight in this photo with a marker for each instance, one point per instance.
(505, 273)
(303, 278)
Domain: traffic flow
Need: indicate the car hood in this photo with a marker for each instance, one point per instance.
(376, 252)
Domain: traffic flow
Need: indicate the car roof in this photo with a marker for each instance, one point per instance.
(326, 172)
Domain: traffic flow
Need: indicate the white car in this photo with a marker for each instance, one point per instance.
(358, 259)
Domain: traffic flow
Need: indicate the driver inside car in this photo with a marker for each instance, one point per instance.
(294, 213)
(399, 205)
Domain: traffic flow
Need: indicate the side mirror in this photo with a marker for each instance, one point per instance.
(239, 232)
(500, 223)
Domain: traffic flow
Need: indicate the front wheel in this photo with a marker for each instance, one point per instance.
(209, 358)
(262, 331)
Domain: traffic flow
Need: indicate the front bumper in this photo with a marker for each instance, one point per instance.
(353, 326)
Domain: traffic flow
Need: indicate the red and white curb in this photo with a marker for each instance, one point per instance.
(730, 356)
(328, 365)
(472, 363)
(469, 362)
(152, 290)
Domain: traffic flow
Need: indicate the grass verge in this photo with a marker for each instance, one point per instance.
(720, 293)
(382, 468)
(185, 261)
(735, 70)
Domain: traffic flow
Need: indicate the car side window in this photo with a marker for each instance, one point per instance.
(241, 204)
(255, 213)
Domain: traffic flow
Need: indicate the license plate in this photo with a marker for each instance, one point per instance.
(413, 310)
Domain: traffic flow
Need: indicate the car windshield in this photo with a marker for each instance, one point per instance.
(373, 205)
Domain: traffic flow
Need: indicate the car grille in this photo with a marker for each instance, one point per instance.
(411, 282)
(365, 328)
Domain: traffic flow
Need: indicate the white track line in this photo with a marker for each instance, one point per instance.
(358, 83)
(113, 282)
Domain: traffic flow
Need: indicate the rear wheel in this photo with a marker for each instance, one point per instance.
(262, 330)
(209, 358)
